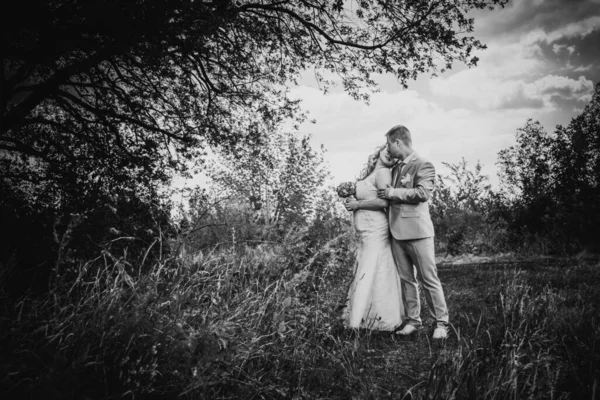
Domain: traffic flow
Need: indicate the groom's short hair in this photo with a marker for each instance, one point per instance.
(400, 132)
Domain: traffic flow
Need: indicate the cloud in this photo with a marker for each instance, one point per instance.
(558, 48)
(566, 88)
(559, 18)
(517, 74)
(582, 68)
(351, 130)
(518, 99)
(578, 29)
(560, 34)
(491, 92)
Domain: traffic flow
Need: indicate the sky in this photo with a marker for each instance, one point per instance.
(542, 62)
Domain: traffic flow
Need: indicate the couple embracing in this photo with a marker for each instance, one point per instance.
(391, 217)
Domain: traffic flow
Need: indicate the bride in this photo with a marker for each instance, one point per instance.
(374, 299)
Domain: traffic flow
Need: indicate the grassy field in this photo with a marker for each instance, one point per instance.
(263, 322)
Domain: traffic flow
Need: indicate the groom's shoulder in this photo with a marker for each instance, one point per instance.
(422, 162)
(419, 159)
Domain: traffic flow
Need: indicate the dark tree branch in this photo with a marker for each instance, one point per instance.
(16, 114)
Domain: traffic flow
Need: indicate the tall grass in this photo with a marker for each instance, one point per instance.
(241, 321)
(262, 321)
(537, 339)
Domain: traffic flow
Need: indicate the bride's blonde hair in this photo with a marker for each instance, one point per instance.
(371, 161)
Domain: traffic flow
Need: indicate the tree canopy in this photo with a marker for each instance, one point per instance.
(554, 178)
(109, 93)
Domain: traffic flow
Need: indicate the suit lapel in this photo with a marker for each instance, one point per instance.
(401, 168)
(408, 164)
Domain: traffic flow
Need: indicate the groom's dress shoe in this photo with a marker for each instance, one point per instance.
(407, 330)
(440, 332)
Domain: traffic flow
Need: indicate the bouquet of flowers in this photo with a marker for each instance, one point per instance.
(346, 189)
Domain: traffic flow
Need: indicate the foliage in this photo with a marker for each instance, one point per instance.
(461, 209)
(47, 247)
(548, 201)
(105, 95)
(525, 167)
(258, 195)
(280, 180)
(554, 180)
(520, 333)
(186, 324)
(576, 175)
(110, 99)
(217, 220)
(469, 188)
(300, 183)
(262, 321)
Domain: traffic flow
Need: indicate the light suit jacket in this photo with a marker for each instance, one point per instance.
(408, 206)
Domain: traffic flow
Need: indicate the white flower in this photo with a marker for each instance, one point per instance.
(407, 178)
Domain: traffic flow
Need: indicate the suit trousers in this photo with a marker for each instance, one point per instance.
(419, 254)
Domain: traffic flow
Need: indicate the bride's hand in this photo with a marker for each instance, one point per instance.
(351, 204)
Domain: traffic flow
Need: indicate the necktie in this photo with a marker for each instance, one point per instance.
(396, 173)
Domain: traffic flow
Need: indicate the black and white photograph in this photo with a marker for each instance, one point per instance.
(300, 199)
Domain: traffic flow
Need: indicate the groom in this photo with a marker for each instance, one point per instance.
(412, 233)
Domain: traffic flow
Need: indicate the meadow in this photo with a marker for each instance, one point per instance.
(262, 321)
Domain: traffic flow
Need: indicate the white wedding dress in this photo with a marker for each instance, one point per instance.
(374, 299)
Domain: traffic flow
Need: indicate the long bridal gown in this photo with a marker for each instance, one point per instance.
(374, 299)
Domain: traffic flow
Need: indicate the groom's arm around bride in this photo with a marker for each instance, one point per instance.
(417, 189)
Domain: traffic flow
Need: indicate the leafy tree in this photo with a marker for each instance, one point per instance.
(576, 174)
(303, 175)
(98, 96)
(524, 171)
(258, 194)
(460, 205)
(525, 167)
(469, 188)
(554, 179)
(279, 181)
